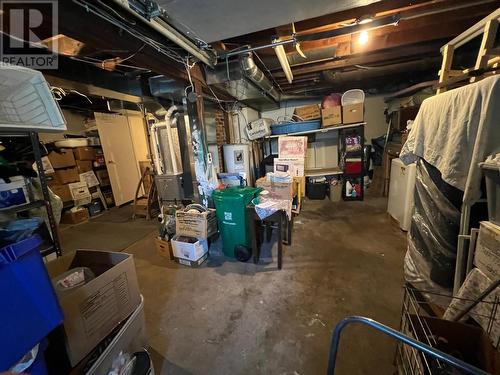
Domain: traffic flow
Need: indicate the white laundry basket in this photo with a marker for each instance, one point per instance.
(353, 97)
(26, 102)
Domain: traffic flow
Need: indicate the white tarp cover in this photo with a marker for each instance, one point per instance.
(455, 131)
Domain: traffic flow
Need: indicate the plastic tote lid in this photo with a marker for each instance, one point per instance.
(237, 191)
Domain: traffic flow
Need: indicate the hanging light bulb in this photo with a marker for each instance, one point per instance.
(363, 37)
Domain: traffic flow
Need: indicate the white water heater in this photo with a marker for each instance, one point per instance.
(237, 159)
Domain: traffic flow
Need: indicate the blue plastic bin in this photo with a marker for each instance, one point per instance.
(29, 308)
(38, 365)
(295, 127)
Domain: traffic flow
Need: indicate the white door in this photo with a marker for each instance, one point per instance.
(120, 156)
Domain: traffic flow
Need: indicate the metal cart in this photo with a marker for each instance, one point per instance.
(419, 342)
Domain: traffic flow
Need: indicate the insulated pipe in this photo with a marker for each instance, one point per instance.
(155, 146)
(166, 123)
(171, 144)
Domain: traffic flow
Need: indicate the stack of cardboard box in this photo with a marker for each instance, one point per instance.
(193, 229)
(291, 158)
(65, 172)
(65, 182)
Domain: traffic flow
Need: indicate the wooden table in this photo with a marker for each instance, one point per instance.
(278, 220)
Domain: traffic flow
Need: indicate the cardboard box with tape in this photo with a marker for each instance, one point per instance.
(308, 112)
(62, 158)
(92, 310)
(331, 116)
(192, 223)
(278, 190)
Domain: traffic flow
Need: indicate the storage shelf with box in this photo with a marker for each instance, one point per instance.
(323, 172)
(24, 207)
(45, 202)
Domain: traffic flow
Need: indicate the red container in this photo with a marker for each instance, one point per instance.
(353, 167)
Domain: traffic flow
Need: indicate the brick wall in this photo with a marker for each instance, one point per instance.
(220, 131)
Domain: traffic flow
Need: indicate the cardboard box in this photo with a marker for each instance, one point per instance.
(487, 254)
(196, 224)
(103, 177)
(80, 193)
(189, 249)
(331, 116)
(66, 176)
(62, 191)
(294, 166)
(94, 309)
(14, 193)
(84, 153)
(308, 112)
(75, 217)
(278, 190)
(353, 113)
(164, 248)
(89, 178)
(47, 166)
(83, 165)
(292, 147)
(62, 159)
(191, 263)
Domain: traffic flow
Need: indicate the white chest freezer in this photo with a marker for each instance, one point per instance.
(401, 188)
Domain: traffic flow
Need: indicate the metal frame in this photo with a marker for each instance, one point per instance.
(35, 143)
(452, 361)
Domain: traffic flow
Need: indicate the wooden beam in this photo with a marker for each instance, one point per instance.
(473, 31)
(487, 43)
(360, 59)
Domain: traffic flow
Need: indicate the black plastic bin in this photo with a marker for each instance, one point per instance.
(316, 190)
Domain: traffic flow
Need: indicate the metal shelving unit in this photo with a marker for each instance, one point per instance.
(321, 130)
(359, 131)
(343, 129)
(55, 247)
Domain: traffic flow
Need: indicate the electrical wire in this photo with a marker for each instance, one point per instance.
(132, 55)
(161, 48)
(59, 93)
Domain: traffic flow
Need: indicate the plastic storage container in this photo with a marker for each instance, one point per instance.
(353, 96)
(315, 190)
(26, 102)
(29, 308)
(230, 204)
(492, 176)
(295, 127)
(33, 362)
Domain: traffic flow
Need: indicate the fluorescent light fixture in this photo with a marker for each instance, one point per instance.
(281, 54)
(364, 20)
(363, 37)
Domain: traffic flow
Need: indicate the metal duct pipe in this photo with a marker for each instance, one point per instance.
(254, 74)
(157, 157)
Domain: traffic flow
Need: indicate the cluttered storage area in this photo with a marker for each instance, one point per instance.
(195, 188)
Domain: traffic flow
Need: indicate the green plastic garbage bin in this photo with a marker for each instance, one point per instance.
(230, 204)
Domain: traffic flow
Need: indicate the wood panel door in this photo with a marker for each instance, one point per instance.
(119, 153)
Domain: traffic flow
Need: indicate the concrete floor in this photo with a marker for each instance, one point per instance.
(239, 318)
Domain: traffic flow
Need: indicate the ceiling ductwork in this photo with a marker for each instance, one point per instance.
(242, 79)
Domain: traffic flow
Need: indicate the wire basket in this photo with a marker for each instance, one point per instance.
(419, 320)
